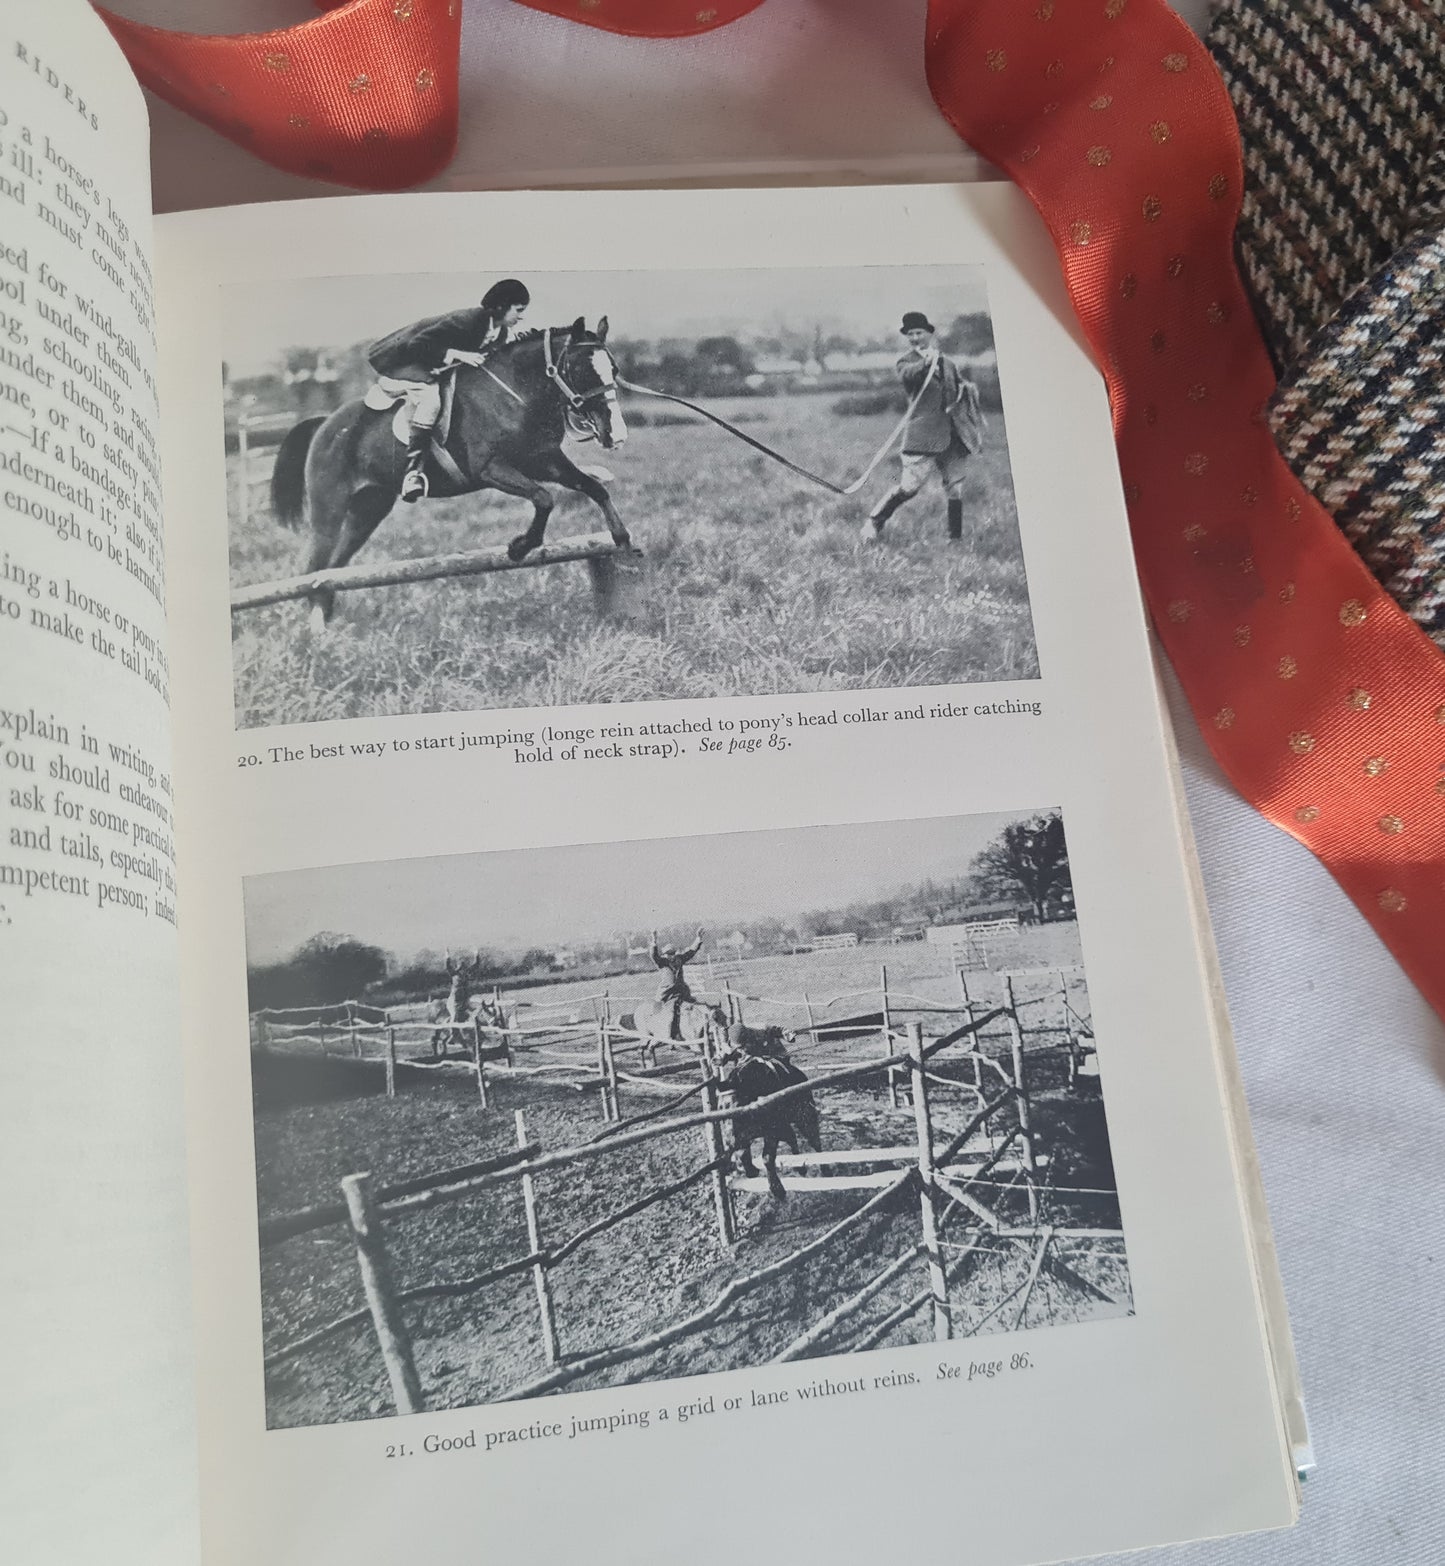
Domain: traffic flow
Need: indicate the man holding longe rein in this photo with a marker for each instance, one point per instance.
(943, 432)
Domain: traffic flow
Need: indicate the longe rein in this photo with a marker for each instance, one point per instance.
(777, 456)
(577, 402)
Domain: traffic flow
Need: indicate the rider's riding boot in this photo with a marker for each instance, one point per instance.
(414, 485)
(873, 527)
(955, 519)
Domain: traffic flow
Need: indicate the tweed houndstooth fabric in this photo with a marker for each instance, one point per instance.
(1341, 107)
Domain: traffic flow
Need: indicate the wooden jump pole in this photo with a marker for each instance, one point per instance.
(506, 1031)
(1071, 1042)
(609, 1060)
(602, 572)
(603, 1090)
(888, 1033)
(713, 1141)
(937, 1278)
(1026, 1137)
(534, 1244)
(391, 1062)
(351, 1030)
(808, 1007)
(380, 1289)
(478, 1064)
(396, 573)
(974, 1043)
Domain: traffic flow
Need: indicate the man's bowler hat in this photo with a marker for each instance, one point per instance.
(915, 321)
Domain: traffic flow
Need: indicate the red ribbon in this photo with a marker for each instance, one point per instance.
(1321, 699)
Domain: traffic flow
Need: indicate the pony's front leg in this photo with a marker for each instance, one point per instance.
(512, 481)
(770, 1163)
(566, 472)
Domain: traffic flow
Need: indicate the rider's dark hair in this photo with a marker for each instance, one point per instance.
(503, 295)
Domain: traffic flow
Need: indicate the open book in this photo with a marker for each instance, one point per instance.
(651, 1001)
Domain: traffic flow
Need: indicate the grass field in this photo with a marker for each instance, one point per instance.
(751, 581)
(668, 1260)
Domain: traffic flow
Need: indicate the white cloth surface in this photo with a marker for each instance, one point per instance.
(1343, 1062)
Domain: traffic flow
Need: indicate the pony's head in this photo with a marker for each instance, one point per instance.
(587, 379)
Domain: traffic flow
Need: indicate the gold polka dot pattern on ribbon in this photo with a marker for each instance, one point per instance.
(1283, 656)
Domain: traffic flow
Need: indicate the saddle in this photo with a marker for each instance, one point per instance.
(380, 398)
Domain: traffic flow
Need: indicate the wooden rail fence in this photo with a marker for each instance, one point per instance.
(941, 1178)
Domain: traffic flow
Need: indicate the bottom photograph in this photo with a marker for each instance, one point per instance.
(549, 1120)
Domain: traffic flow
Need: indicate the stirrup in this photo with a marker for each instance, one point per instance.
(414, 485)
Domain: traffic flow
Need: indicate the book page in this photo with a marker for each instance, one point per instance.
(96, 1282)
(692, 974)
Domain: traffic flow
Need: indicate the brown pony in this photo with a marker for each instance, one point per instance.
(342, 474)
(758, 1065)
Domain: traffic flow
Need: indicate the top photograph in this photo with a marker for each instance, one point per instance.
(451, 493)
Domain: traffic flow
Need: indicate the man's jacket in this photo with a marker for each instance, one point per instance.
(948, 411)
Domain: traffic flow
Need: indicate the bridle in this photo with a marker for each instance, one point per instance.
(577, 403)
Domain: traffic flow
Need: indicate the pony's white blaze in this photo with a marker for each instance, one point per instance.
(616, 424)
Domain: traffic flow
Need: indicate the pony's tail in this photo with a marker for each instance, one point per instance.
(288, 477)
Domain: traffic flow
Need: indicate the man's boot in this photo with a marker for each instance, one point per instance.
(413, 484)
(873, 527)
(955, 520)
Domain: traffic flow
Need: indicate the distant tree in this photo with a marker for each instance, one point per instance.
(968, 334)
(677, 373)
(724, 356)
(1030, 859)
(327, 969)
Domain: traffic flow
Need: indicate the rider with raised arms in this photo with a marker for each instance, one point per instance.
(408, 363)
(672, 960)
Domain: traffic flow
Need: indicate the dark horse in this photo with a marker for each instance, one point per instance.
(342, 474)
(757, 1066)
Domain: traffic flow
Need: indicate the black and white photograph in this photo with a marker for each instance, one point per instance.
(511, 489)
(547, 1120)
